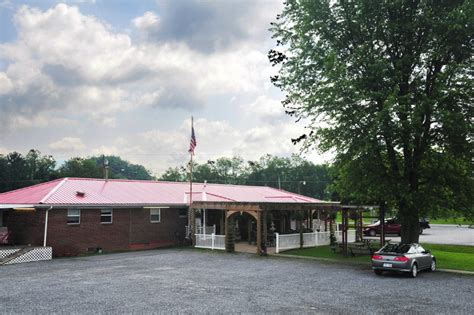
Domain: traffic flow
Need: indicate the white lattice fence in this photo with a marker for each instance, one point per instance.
(33, 254)
(7, 252)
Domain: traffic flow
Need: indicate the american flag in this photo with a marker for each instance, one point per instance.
(193, 143)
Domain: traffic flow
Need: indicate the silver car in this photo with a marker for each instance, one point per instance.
(401, 257)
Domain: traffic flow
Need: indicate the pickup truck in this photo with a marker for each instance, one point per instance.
(391, 226)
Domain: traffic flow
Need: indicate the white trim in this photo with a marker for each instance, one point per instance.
(53, 190)
(156, 207)
(107, 215)
(13, 206)
(79, 216)
(159, 214)
(45, 236)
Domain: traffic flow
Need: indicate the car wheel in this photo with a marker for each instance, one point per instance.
(378, 272)
(372, 233)
(414, 271)
(433, 265)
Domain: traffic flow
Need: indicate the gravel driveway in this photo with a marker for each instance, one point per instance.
(186, 280)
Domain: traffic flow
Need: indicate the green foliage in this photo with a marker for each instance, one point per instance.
(119, 168)
(388, 86)
(17, 171)
(292, 174)
(93, 167)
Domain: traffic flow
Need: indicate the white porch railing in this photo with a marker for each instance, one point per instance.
(210, 241)
(206, 230)
(292, 241)
(201, 230)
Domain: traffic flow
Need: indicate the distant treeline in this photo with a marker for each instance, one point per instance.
(17, 170)
(289, 173)
(293, 174)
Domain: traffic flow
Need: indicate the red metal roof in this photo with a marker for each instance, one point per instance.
(135, 192)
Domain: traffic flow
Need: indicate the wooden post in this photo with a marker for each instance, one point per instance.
(229, 234)
(301, 229)
(382, 224)
(221, 225)
(192, 226)
(264, 225)
(259, 232)
(344, 232)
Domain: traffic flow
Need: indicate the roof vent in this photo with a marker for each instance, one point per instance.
(80, 193)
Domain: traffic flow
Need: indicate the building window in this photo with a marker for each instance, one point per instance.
(106, 216)
(73, 216)
(155, 215)
(183, 213)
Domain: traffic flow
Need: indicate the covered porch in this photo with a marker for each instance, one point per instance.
(269, 227)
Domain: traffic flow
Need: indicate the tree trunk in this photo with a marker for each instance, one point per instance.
(410, 223)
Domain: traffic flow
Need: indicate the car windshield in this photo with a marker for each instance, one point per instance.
(396, 248)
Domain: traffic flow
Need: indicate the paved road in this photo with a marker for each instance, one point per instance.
(194, 281)
(445, 234)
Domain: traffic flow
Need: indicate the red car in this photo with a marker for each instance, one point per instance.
(391, 226)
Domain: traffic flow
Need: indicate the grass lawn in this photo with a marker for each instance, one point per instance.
(447, 256)
(453, 256)
(325, 252)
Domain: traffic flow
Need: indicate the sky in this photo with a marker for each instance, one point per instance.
(90, 77)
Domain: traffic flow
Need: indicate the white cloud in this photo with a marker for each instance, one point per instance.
(146, 21)
(68, 73)
(267, 109)
(92, 69)
(68, 145)
(6, 84)
(4, 150)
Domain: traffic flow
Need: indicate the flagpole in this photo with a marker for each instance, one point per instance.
(192, 222)
(191, 170)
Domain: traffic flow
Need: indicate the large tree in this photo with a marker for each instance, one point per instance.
(387, 85)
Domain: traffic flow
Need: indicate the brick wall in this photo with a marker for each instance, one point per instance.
(27, 227)
(130, 229)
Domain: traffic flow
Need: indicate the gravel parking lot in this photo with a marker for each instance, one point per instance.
(185, 280)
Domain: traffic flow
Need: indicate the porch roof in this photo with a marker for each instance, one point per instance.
(265, 205)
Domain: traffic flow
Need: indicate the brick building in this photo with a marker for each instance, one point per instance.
(77, 215)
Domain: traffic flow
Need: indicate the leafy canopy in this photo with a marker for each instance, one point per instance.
(388, 86)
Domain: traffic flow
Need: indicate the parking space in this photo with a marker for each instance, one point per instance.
(185, 280)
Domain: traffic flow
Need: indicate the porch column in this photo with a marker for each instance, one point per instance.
(249, 232)
(229, 234)
(192, 226)
(344, 232)
(302, 213)
(264, 223)
(259, 232)
(382, 224)
(222, 222)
